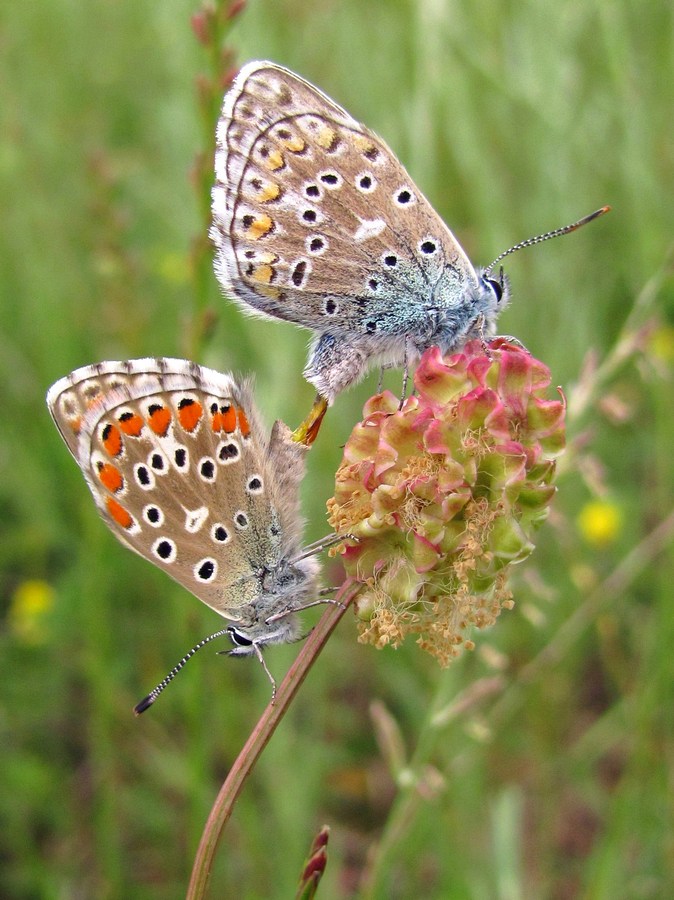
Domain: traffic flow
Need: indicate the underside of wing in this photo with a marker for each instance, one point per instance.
(176, 460)
(314, 219)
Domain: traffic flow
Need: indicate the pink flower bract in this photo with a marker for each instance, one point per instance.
(445, 494)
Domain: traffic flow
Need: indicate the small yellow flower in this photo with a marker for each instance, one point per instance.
(600, 522)
(31, 603)
(661, 343)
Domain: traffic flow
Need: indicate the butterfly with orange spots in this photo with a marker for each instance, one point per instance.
(183, 472)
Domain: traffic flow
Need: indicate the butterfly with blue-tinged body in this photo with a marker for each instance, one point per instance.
(316, 221)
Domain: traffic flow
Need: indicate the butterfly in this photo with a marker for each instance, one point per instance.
(315, 221)
(183, 473)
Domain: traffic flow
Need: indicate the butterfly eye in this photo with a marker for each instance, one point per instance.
(497, 288)
(238, 639)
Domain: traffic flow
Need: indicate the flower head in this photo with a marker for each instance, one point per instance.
(445, 493)
(32, 602)
(600, 522)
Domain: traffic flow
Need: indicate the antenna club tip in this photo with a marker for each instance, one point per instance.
(586, 219)
(144, 704)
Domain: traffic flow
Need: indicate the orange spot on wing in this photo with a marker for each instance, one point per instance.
(294, 144)
(189, 413)
(273, 161)
(229, 420)
(270, 191)
(224, 419)
(244, 426)
(263, 274)
(112, 440)
(259, 227)
(110, 477)
(75, 424)
(363, 143)
(131, 423)
(159, 420)
(118, 513)
(326, 137)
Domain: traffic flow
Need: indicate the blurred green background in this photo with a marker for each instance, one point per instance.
(554, 778)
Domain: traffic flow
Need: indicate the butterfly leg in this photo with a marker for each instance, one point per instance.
(307, 432)
(509, 339)
(326, 601)
(406, 375)
(488, 342)
(479, 329)
(261, 658)
(322, 544)
(380, 383)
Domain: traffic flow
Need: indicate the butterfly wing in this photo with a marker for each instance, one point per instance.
(316, 221)
(178, 464)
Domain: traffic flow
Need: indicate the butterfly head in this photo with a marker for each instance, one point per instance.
(451, 324)
(493, 296)
(272, 619)
(282, 631)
